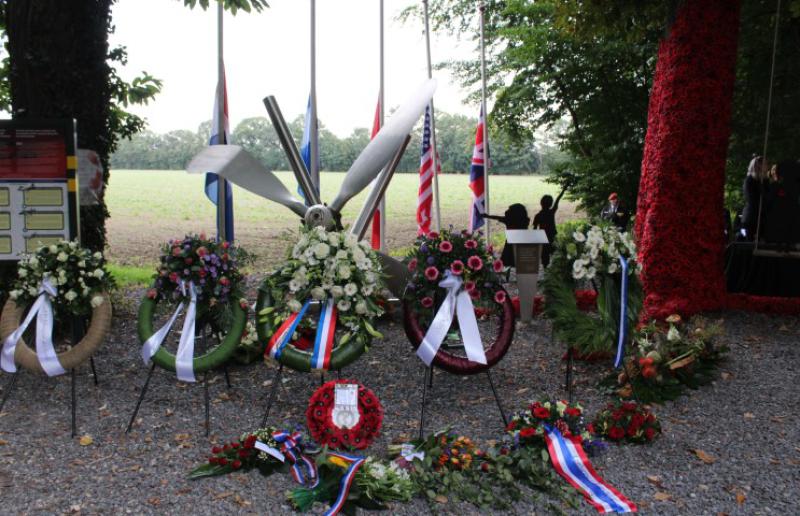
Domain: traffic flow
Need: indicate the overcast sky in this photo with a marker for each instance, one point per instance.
(268, 54)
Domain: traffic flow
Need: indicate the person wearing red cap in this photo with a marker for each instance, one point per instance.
(614, 213)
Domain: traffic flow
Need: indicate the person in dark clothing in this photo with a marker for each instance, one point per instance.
(753, 187)
(546, 220)
(615, 213)
(515, 217)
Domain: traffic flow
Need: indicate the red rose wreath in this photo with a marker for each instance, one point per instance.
(323, 429)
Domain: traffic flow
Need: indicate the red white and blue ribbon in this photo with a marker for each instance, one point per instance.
(326, 330)
(623, 313)
(570, 461)
(304, 470)
(284, 333)
(354, 462)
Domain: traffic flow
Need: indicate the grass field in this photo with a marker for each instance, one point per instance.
(150, 206)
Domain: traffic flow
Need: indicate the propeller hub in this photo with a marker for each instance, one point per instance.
(319, 215)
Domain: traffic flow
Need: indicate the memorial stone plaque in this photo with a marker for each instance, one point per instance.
(527, 251)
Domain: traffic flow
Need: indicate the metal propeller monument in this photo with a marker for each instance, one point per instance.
(379, 159)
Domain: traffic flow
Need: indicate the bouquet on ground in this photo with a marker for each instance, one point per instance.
(528, 428)
(461, 254)
(243, 454)
(327, 265)
(626, 421)
(211, 267)
(668, 357)
(77, 275)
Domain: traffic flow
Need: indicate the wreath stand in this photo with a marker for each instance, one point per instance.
(427, 383)
(201, 334)
(276, 380)
(78, 332)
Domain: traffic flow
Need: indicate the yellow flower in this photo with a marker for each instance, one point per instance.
(338, 462)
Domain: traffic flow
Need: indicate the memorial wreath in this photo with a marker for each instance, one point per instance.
(337, 424)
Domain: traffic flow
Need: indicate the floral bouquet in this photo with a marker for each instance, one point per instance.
(211, 266)
(461, 254)
(528, 428)
(626, 421)
(596, 250)
(241, 455)
(668, 357)
(79, 277)
(328, 264)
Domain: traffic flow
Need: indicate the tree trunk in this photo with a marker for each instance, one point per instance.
(679, 218)
(59, 52)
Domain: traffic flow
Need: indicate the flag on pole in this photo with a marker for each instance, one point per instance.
(212, 180)
(476, 182)
(305, 144)
(377, 238)
(425, 196)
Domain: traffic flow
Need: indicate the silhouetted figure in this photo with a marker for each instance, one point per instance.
(516, 217)
(546, 220)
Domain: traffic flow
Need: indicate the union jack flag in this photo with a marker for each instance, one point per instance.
(212, 180)
(476, 178)
(425, 196)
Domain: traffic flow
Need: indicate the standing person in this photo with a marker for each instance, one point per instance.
(615, 213)
(752, 188)
(546, 220)
(515, 217)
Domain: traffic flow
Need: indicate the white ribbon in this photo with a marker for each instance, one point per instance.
(409, 452)
(269, 450)
(185, 355)
(456, 303)
(42, 309)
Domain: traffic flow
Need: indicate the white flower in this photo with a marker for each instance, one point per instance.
(33, 262)
(53, 249)
(86, 291)
(294, 305)
(62, 257)
(98, 255)
(14, 294)
(22, 273)
(350, 241)
(350, 289)
(337, 291)
(98, 273)
(344, 272)
(327, 284)
(367, 290)
(578, 236)
(364, 264)
(343, 305)
(321, 250)
(97, 301)
(318, 293)
(358, 255)
(32, 291)
(370, 278)
(673, 334)
(82, 263)
(312, 261)
(69, 296)
(591, 272)
(294, 285)
(341, 254)
(361, 308)
(612, 268)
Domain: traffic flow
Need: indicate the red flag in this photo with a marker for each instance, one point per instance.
(377, 239)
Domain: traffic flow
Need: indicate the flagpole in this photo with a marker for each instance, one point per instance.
(486, 160)
(434, 157)
(314, 158)
(381, 102)
(222, 184)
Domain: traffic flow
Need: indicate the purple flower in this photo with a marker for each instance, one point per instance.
(424, 248)
(431, 260)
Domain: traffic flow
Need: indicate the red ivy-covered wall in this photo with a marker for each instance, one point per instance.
(679, 214)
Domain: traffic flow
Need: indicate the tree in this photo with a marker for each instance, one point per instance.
(60, 66)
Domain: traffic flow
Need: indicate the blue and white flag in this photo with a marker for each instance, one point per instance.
(305, 145)
(212, 180)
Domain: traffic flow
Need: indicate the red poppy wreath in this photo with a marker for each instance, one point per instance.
(344, 414)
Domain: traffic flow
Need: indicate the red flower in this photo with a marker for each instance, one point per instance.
(629, 405)
(457, 267)
(474, 293)
(650, 418)
(176, 251)
(572, 411)
(250, 441)
(235, 445)
(617, 415)
(237, 464)
(649, 433)
(152, 293)
(431, 273)
(471, 244)
(445, 246)
(590, 428)
(412, 265)
(637, 420)
(187, 261)
(469, 285)
(632, 430)
(243, 453)
(224, 281)
(222, 461)
(427, 301)
(511, 426)
(500, 297)
(433, 235)
(213, 460)
(173, 277)
(541, 413)
(527, 432)
(616, 433)
(202, 251)
(497, 265)
(475, 263)
(216, 449)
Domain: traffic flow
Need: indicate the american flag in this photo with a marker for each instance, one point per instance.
(377, 228)
(212, 180)
(425, 197)
(476, 178)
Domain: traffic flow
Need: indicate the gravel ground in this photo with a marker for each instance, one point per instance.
(746, 421)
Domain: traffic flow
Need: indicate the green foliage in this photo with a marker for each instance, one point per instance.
(231, 5)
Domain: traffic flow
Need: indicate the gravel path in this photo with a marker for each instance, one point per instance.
(746, 421)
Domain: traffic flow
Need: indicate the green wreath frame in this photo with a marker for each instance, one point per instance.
(214, 358)
(343, 353)
(582, 331)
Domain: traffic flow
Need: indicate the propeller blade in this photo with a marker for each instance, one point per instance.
(240, 167)
(396, 272)
(381, 149)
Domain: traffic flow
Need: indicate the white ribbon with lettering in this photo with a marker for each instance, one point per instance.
(42, 309)
(185, 355)
(269, 450)
(456, 303)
